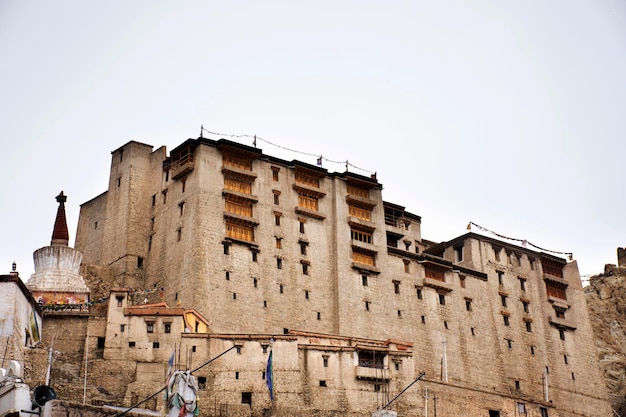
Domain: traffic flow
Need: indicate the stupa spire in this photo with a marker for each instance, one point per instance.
(60, 234)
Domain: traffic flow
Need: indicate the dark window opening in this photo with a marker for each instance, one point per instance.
(246, 398)
(319, 315)
(442, 299)
(150, 327)
(155, 345)
(325, 361)
(500, 277)
(364, 280)
(131, 344)
(101, 343)
(168, 327)
(322, 383)
(254, 256)
(226, 248)
(370, 359)
(279, 263)
(396, 287)
(517, 385)
(122, 328)
(202, 382)
(423, 319)
(120, 299)
(419, 293)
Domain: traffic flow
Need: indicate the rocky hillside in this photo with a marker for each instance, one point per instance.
(606, 299)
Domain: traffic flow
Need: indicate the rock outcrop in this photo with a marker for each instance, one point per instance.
(606, 299)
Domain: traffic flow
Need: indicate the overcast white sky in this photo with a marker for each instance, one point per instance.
(510, 114)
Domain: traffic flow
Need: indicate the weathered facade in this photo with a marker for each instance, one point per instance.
(316, 267)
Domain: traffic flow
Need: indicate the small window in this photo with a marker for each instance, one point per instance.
(517, 385)
(139, 262)
(237, 375)
(529, 326)
(153, 200)
(131, 344)
(468, 305)
(164, 192)
(565, 359)
(506, 320)
(120, 299)
(522, 284)
(303, 246)
(150, 327)
(264, 303)
(407, 266)
(255, 256)
(305, 269)
(101, 343)
(573, 377)
(442, 299)
(445, 324)
(301, 226)
(306, 294)
(543, 410)
(462, 281)
(521, 408)
(167, 327)
(227, 275)
(276, 199)
(275, 173)
(364, 280)
(494, 413)
(503, 298)
(396, 287)
(122, 328)
(325, 361)
(238, 349)
(562, 334)
(202, 382)
(277, 219)
(419, 293)
(319, 315)
(234, 296)
(119, 182)
(526, 306)
(560, 314)
(322, 383)
(396, 366)
(377, 387)
(264, 348)
(95, 225)
(279, 243)
(181, 208)
(246, 398)
(532, 350)
(279, 263)
(179, 233)
(255, 282)
(281, 288)
(473, 331)
(183, 183)
(226, 248)
(367, 306)
(399, 313)
(193, 348)
(423, 319)
(155, 345)
(500, 277)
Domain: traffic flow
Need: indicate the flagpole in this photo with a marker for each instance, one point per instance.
(86, 359)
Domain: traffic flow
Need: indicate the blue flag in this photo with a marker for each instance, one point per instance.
(269, 376)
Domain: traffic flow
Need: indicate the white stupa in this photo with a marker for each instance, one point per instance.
(57, 278)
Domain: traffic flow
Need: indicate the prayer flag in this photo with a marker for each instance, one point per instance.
(269, 376)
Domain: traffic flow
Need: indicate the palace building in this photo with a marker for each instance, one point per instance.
(236, 249)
